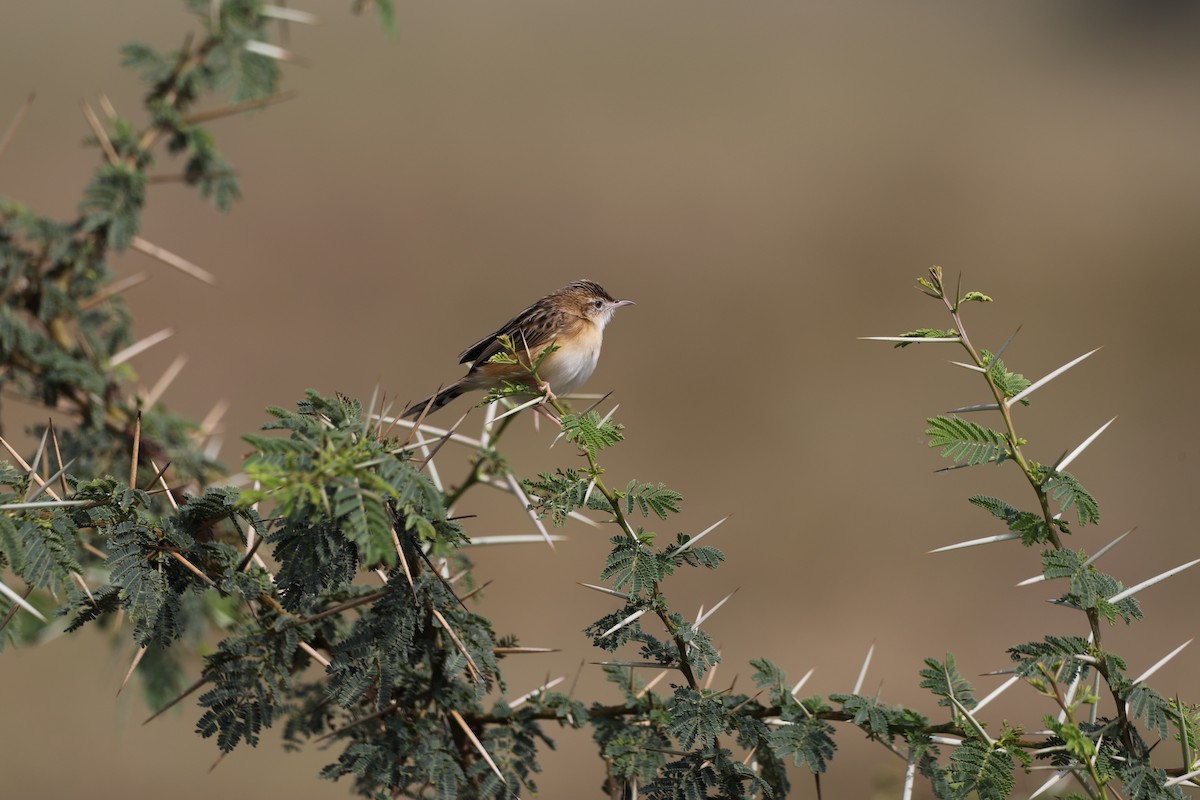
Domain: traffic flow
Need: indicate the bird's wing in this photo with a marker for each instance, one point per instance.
(532, 328)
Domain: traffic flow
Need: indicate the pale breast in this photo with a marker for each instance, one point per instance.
(567, 368)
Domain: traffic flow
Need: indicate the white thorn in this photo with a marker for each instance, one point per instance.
(1062, 465)
(700, 535)
(1031, 388)
(1000, 537)
(1132, 590)
(862, 673)
(624, 622)
(996, 692)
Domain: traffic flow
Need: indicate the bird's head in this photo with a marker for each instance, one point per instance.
(589, 300)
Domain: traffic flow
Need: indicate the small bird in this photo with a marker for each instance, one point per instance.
(572, 318)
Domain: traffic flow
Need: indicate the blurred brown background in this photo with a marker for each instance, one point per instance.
(766, 179)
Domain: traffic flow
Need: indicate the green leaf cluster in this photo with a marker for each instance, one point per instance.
(963, 440)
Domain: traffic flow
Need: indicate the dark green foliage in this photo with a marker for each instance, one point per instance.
(1068, 493)
(696, 718)
(963, 440)
(590, 433)
(327, 471)
(1032, 527)
(1010, 383)
(557, 495)
(809, 741)
(1089, 588)
(651, 499)
(942, 678)
(867, 713)
(633, 565)
(1152, 708)
(980, 768)
(701, 556)
(1142, 781)
(1059, 655)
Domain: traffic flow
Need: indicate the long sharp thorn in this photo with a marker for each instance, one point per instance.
(462, 648)
(1033, 387)
(137, 659)
(238, 108)
(139, 347)
(690, 542)
(979, 729)
(58, 456)
(316, 656)
(910, 339)
(21, 601)
(652, 682)
(44, 504)
(101, 136)
(701, 619)
(1132, 590)
(164, 382)
(420, 421)
(1161, 663)
(136, 451)
(996, 692)
(172, 260)
(383, 712)
(114, 288)
(969, 409)
(485, 433)
(1000, 537)
(972, 367)
(611, 411)
(56, 476)
(523, 699)
(862, 673)
(1055, 778)
(462, 723)
(1089, 562)
(37, 460)
(272, 51)
(516, 489)
(516, 538)
(437, 448)
(199, 682)
(910, 774)
(535, 401)
(16, 123)
(605, 590)
(23, 464)
(404, 562)
(632, 617)
(366, 428)
(1007, 342)
(290, 15)
(162, 481)
(1187, 776)
(800, 683)
(1065, 461)
(603, 397)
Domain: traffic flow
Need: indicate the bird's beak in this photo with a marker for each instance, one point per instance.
(619, 303)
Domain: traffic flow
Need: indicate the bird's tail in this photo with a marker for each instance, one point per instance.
(436, 401)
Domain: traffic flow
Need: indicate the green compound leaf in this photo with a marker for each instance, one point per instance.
(963, 440)
(976, 766)
(1068, 493)
(589, 434)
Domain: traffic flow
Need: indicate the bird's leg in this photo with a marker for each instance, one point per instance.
(547, 396)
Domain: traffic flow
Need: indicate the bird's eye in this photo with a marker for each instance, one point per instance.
(597, 304)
